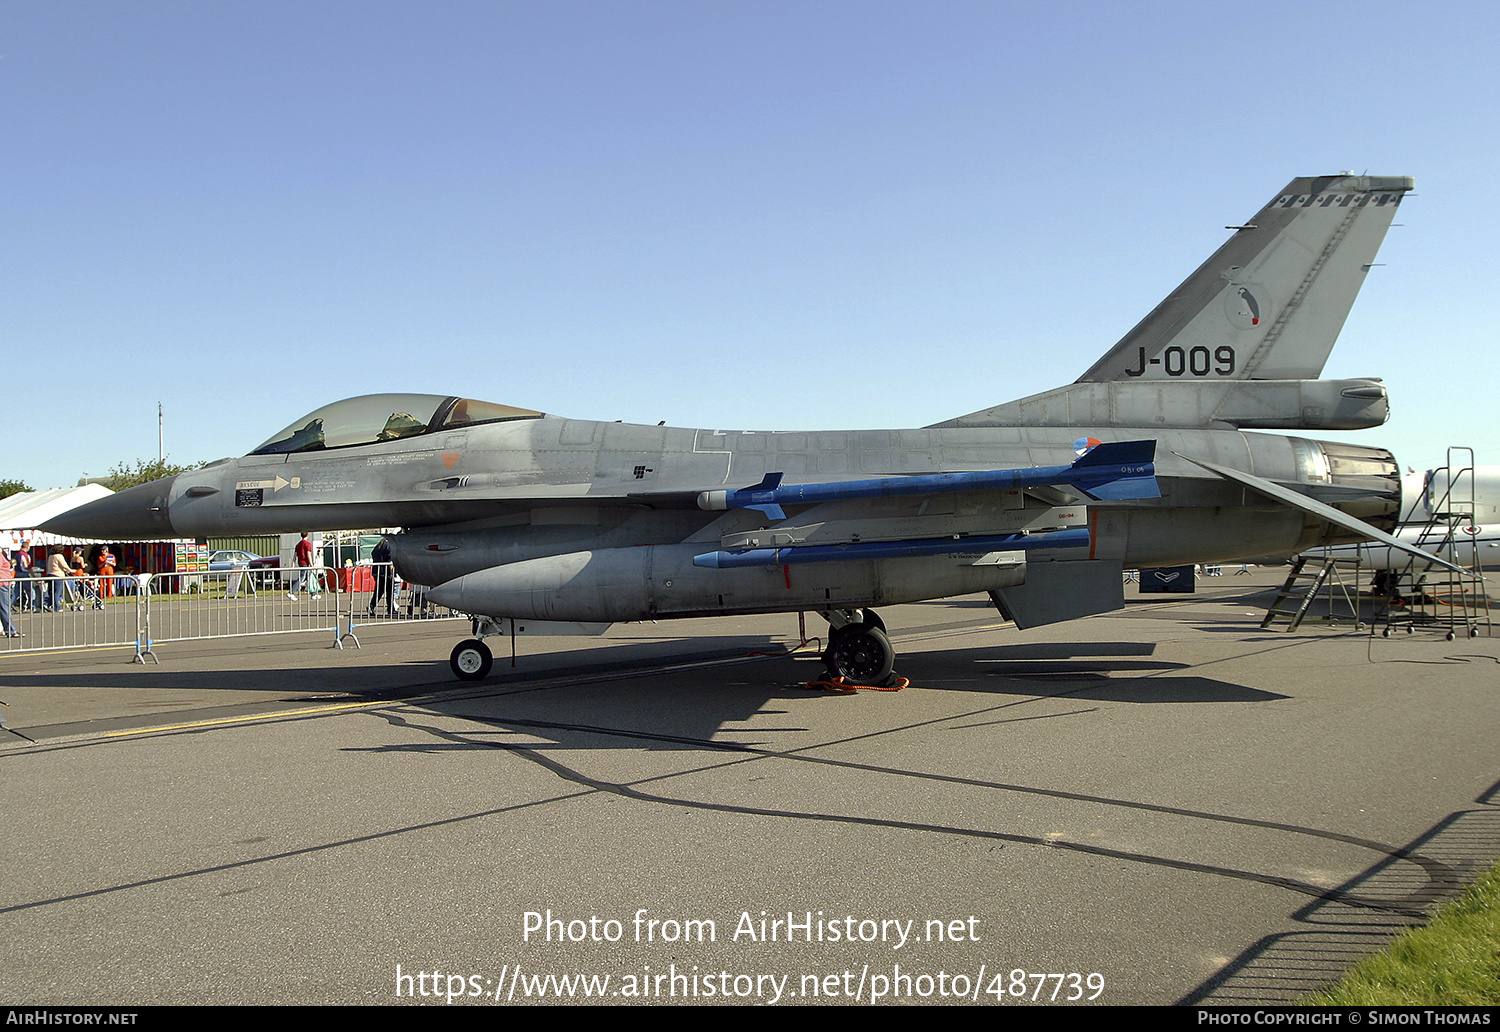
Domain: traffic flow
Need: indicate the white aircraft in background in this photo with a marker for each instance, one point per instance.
(1453, 513)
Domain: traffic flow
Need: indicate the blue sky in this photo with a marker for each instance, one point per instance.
(728, 214)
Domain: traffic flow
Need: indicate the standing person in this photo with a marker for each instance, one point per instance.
(305, 575)
(380, 560)
(74, 557)
(7, 578)
(106, 563)
(28, 595)
(34, 587)
(84, 592)
(58, 567)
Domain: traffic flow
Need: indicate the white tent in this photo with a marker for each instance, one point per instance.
(30, 509)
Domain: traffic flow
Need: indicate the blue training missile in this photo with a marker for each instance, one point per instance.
(1107, 472)
(1077, 537)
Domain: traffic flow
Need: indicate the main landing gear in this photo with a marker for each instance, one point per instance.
(858, 649)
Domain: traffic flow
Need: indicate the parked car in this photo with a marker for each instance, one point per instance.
(230, 559)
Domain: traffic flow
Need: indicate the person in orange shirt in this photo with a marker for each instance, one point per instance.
(106, 564)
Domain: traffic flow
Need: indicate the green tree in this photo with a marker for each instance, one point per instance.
(10, 487)
(142, 472)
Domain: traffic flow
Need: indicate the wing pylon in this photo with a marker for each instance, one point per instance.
(1075, 537)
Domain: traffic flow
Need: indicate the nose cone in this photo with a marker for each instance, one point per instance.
(449, 593)
(137, 514)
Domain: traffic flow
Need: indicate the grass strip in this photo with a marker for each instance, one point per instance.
(1453, 960)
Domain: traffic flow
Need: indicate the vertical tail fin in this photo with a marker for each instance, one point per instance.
(1242, 342)
(1269, 304)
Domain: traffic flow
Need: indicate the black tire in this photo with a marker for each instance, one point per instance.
(471, 660)
(871, 619)
(861, 654)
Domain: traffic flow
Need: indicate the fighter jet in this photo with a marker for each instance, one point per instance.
(517, 516)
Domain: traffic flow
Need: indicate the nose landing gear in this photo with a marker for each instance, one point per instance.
(471, 660)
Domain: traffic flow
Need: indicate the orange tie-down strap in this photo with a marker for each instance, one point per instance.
(844, 686)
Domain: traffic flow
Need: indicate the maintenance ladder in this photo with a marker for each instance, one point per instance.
(1302, 586)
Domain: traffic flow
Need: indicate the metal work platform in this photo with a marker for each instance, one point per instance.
(1423, 594)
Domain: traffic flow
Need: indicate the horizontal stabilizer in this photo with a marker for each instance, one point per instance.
(1115, 471)
(1287, 496)
(1077, 537)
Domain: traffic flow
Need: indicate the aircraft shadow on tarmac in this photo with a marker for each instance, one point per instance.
(391, 680)
(688, 709)
(1114, 675)
(671, 705)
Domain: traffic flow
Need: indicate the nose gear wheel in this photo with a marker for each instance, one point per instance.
(471, 660)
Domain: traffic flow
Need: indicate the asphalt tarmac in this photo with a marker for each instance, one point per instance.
(1165, 805)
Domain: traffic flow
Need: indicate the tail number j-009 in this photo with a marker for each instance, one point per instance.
(1195, 361)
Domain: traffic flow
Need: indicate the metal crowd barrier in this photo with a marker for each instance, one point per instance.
(71, 612)
(82, 612)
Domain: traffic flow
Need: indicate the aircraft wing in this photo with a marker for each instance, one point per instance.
(1287, 496)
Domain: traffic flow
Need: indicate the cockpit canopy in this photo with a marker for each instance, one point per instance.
(385, 417)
